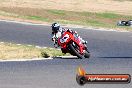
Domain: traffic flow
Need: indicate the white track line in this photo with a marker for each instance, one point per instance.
(18, 60)
(66, 57)
(21, 22)
(1, 42)
(71, 26)
(29, 45)
(36, 59)
(18, 44)
(38, 47)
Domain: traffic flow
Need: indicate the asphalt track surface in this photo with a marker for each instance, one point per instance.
(111, 52)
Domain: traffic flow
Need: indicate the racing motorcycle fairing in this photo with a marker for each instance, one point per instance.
(68, 38)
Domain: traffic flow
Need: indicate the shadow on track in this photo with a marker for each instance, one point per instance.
(116, 57)
(65, 58)
(71, 57)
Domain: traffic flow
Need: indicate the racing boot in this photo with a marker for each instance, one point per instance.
(64, 50)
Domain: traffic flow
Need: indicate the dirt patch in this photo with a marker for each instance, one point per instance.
(117, 6)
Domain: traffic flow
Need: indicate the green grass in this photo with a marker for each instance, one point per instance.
(37, 18)
(56, 12)
(105, 20)
(108, 15)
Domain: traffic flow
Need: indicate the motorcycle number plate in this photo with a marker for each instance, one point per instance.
(64, 38)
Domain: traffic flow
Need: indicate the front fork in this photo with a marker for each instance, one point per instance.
(82, 50)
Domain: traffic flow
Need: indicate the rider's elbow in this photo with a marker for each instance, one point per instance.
(52, 39)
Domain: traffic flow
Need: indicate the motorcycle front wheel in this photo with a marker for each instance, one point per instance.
(87, 54)
(74, 51)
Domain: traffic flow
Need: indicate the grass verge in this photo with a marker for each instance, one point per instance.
(14, 51)
(105, 20)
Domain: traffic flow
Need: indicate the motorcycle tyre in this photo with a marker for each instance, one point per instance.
(75, 52)
(87, 54)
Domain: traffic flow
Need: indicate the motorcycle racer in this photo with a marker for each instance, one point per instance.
(57, 31)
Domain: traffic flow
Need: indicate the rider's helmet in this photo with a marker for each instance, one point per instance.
(55, 27)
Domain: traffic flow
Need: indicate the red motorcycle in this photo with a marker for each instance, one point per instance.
(70, 43)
